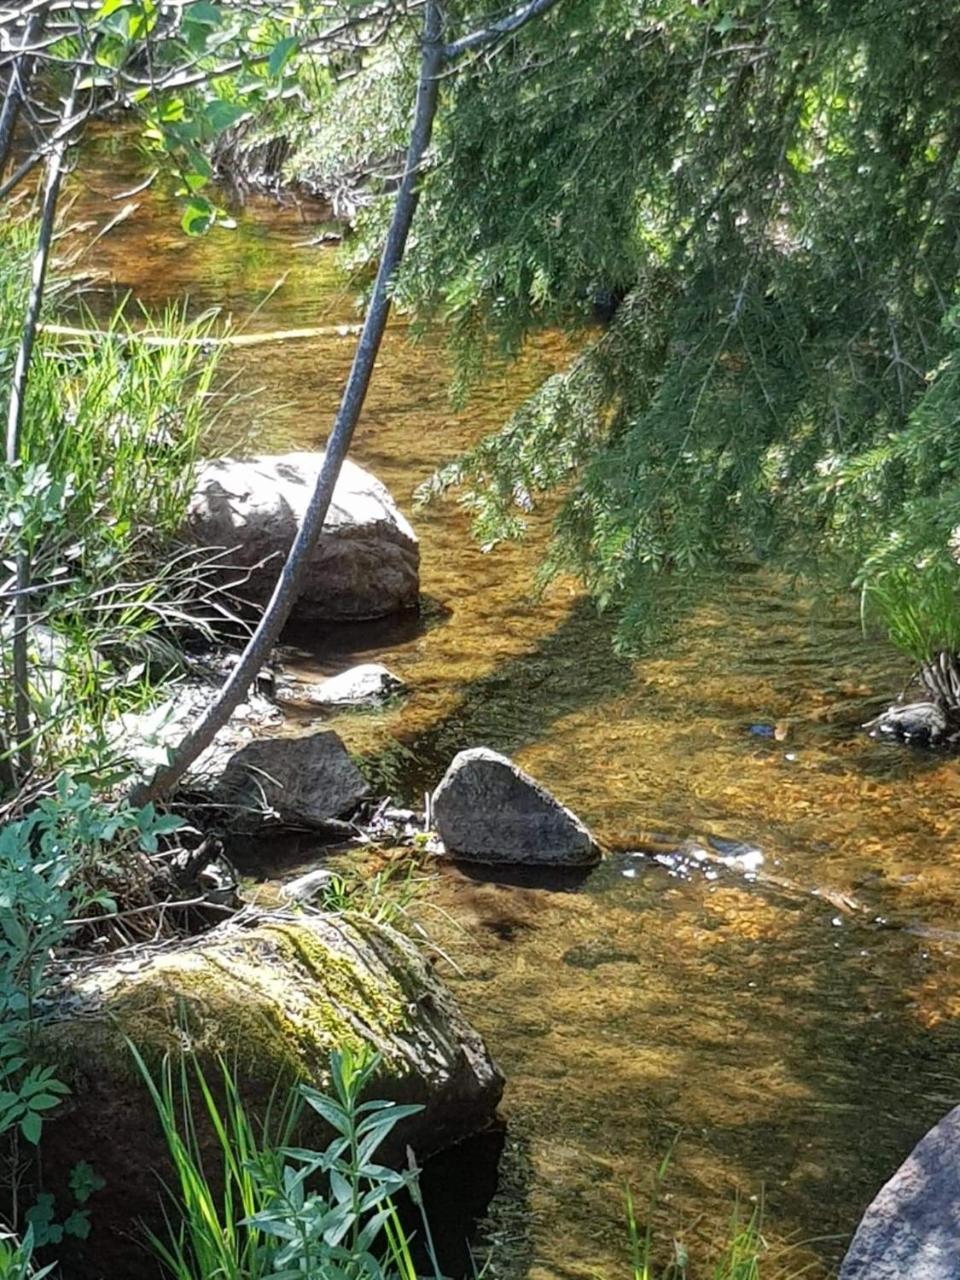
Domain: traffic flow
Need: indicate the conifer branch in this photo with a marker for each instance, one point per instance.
(496, 30)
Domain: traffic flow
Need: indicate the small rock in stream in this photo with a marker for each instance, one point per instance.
(307, 887)
(919, 723)
(761, 730)
(487, 809)
(368, 684)
(302, 782)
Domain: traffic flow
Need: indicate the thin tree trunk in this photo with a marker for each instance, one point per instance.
(18, 85)
(18, 390)
(286, 592)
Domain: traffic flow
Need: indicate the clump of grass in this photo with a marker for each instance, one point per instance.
(920, 610)
(385, 896)
(920, 607)
(738, 1260)
(112, 427)
(273, 1210)
(16, 1258)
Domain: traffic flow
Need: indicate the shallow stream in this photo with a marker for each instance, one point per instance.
(791, 1046)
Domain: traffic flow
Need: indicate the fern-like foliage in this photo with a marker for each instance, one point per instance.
(775, 186)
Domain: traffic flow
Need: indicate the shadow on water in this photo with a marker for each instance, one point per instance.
(572, 667)
(335, 646)
(457, 1186)
(547, 879)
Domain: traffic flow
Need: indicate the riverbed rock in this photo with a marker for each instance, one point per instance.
(300, 782)
(487, 809)
(365, 563)
(919, 723)
(366, 685)
(270, 997)
(148, 737)
(308, 887)
(912, 1227)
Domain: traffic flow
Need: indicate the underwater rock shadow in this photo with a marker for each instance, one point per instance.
(518, 702)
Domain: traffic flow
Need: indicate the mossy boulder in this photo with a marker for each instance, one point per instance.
(272, 994)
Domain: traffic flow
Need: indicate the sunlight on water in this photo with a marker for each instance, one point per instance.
(799, 1047)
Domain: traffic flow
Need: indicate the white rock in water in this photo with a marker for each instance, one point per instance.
(370, 682)
(365, 563)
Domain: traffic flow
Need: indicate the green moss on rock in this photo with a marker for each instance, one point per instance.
(271, 995)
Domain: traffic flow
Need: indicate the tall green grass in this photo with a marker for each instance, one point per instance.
(112, 428)
(739, 1257)
(267, 1210)
(920, 607)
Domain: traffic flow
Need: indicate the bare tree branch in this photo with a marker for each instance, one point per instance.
(495, 30)
(18, 83)
(18, 387)
(288, 586)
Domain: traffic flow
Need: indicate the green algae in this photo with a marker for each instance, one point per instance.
(274, 1001)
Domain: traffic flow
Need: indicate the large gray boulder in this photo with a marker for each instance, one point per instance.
(266, 998)
(302, 782)
(912, 1227)
(486, 809)
(366, 561)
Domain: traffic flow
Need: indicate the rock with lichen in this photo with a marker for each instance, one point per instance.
(272, 999)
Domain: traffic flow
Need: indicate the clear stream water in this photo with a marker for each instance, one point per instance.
(797, 1047)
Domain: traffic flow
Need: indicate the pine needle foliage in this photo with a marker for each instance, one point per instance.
(772, 185)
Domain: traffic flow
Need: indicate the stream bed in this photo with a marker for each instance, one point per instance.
(784, 1047)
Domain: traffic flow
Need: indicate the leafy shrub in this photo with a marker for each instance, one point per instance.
(284, 1212)
(48, 873)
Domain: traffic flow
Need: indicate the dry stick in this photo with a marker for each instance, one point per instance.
(18, 84)
(287, 589)
(18, 388)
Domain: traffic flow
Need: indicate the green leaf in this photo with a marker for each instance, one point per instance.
(31, 1126)
(281, 54)
(220, 114)
(208, 15)
(78, 1224)
(44, 1102)
(198, 218)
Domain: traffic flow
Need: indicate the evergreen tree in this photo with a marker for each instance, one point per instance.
(771, 185)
